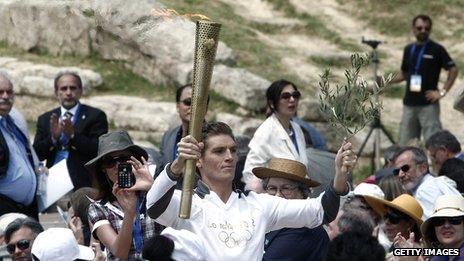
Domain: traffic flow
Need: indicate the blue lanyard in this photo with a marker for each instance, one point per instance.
(137, 228)
(419, 57)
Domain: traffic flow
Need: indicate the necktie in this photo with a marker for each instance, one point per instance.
(63, 153)
(63, 137)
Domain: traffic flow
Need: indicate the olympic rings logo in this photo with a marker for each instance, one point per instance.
(234, 239)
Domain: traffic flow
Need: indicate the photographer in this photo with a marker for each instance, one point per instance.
(118, 219)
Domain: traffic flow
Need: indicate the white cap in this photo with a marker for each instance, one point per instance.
(6, 219)
(57, 244)
(187, 245)
(367, 189)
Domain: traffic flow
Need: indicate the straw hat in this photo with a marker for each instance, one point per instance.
(404, 203)
(445, 206)
(111, 142)
(287, 169)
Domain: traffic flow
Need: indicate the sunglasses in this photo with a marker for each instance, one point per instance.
(404, 168)
(395, 217)
(420, 28)
(287, 95)
(440, 221)
(187, 102)
(21, 244)
(111, 162)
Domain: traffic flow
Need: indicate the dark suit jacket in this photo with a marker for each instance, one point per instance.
(90, 124)
(295, 244)
(168, 142)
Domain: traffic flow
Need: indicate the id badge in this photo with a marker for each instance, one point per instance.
(416, 83)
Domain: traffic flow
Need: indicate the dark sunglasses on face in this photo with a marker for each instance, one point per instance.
(395, 217)
(21, 244)
(404, 168)
(111, 162)
(420, 28)
(440, 221)
(187, 102)
(287, 95)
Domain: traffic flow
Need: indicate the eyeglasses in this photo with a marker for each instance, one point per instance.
(284, 190)
(21, 244)
(187, 102)
(404, 168)
(111, 162)
(65, 88)
(440, 221)
(395, 217)
(420, 28)
(287, 95)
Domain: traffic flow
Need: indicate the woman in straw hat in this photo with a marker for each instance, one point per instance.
(117, 219)
(287, 179)
(445, 228)
(401, 216)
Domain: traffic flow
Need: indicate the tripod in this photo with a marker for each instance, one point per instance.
(376, 126)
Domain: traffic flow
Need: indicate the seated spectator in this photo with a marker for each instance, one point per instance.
(174, 245)
(356, 199)
(402, 216)
(355, 246)
(19, 237)
(441, 146)
(118, 219)
(77, 214)
(287, 179)
(391, 187)
(413, 173)
(59, 244)
(454, 169)
(278, 136)
(351, 220)
(445, 228)
(5, 220)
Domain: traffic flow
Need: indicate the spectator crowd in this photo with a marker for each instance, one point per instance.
(254, 197)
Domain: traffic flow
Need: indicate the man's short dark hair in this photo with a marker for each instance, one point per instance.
(215, 128)
(158, 247)
(355, 246)
(356, 220)
(80, 202)
(444, 139)
(180, 90)
(418, 154)
(18, 223)
(422, 17)
(75, 75)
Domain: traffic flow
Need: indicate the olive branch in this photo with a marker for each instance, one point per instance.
(352, 105)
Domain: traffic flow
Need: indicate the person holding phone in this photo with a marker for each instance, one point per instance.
(118, 218)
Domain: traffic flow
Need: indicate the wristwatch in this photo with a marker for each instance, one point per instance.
(442, 92)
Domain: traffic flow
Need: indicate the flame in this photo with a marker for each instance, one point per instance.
(168, 14)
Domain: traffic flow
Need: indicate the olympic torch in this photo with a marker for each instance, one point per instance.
(206, 41)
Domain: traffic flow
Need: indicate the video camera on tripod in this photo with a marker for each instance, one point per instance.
(371, 43)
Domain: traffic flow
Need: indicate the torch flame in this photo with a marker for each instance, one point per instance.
(168, 14)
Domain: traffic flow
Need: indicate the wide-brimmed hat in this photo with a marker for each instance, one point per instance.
(56, 244)
(111, 142)
(367, 189)
(445, 206)
(287, 169)
(404, 203)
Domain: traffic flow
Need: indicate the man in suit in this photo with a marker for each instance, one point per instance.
(70, 132)
(18, 181)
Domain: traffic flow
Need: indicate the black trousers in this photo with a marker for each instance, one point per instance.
(7, 205)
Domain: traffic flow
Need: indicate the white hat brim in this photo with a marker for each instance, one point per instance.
(85, 253)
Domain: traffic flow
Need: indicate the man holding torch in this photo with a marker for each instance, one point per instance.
(232, 223)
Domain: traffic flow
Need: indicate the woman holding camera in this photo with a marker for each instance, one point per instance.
(278, 136)
(118, 218)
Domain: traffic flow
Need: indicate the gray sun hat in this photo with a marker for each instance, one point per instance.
(111, 142)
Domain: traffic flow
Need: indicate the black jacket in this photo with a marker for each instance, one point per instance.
(90, 124)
